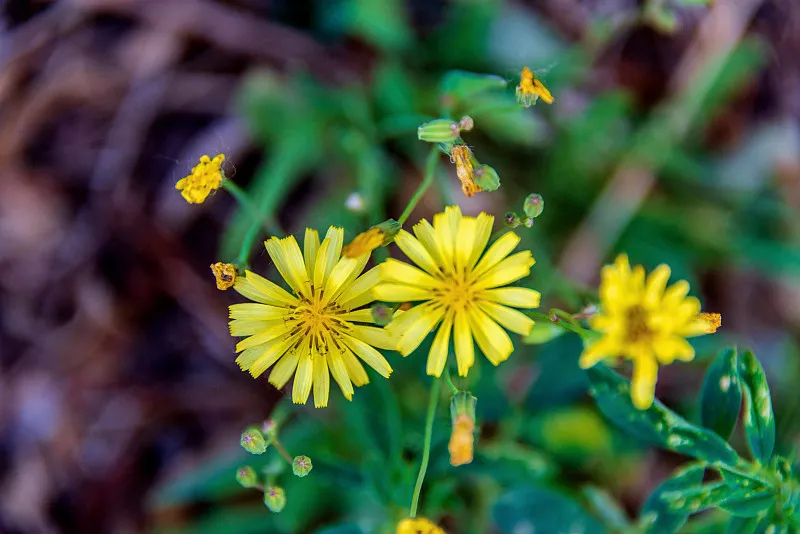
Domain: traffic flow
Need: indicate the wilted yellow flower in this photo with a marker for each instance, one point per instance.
(461, 440)
(205, 177)
(461, 156)
(225, 274)
(530, 89)
(646, 322)
(464, 294)
(418, 525)
(364, 243)
(312, 332)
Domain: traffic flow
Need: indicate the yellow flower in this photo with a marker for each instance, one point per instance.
(312, 332)
(530, 89)
(364, 243)
(646, 322)
(462, 157)
(461, 440)
(460, 287)
(205, 177)
(225, 274)
(418, 525)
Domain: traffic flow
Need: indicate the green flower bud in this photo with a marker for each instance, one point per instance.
(301, 466)
(389, 227)
(511, 220)
(382, 314)
(270, 429)
(462, 403)
(247, 477)
(466, 123)
(438, 131)
(486, 178)
(528, 222)
(533, 205)
(275, 498)
(253, 441)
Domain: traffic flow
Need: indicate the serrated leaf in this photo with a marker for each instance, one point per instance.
(721, 396)
(664, 519)
(657, 424)
(759, 420)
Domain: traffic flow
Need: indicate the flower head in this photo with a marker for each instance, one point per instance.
(462, 157)
(312, 332)
(225, 274)
(418, 525)
(459, 283)
(530, 89)
(646, 322)
(205, 177)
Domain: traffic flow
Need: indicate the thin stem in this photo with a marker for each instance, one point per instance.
(430, 173)
(282, 451)
(426, 451)
(449, 380)
(258, 220)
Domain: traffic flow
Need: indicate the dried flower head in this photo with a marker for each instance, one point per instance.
(462, 157)
(225, 274)
(646, 322)
(205, 177)
(461, 440)
(530, 89)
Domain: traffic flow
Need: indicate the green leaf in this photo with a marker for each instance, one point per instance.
(664, 519)
(657, 424)
(743, 525)
(721, 396)
(759, 421)
(604, 507)
(542, 332)
(461, 87)
(543, 511)
(749, 503)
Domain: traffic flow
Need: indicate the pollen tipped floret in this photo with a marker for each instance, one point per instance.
(530, 89)
(205, 177)
(314, 331)
(643, 320)
(459, 286)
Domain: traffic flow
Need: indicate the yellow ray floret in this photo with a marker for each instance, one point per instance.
(647, 322)
(205, 177)
(530, 89)
(418, 525)
(459, 285)
(313, 330)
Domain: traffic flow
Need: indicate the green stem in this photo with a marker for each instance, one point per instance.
(449, 380)
(430, 173)
(282, 451)
(426, 451)
(258, 220)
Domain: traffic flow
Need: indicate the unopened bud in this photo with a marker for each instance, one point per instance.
(486, 178)
(247, 477)
(269, 428)
(253, 441)
(275, 498)
(511, 220)
(382, 314)
(462, 403)
(528, 222)
(462, 439)
(301, 466)
(533, 205)
(466, 123)
(438, 131)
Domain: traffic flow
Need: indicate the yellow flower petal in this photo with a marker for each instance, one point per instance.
(427, 237)
(412, 335)
(510, 319)
(483, 230)
(643, 382)
(369, 355)
(339, 372)
(519, 297)
(656, 283)
(363, 315)
(373, 335)
(279, 329)
(437, 357)
(270, 293)
(322, 381)
(496, 253)
(247, 327)
(303, 378)
(400, 293)
(355, 370)
(416, 252)
(360, 291)
(462, 339)
(284, 369)
(255, 311)
(393, 270)
(491, 339)
(310, 248)
(509, 270)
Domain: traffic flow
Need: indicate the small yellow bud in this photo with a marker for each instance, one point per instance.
(530, 89)
(247, 477)
(253, 441)
(419, 525)
(462, 157)
(205, 177)
(275, 499)
(711, 320)
(225, 274)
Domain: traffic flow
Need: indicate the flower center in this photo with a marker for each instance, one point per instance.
(637, 327)
(456, 292)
